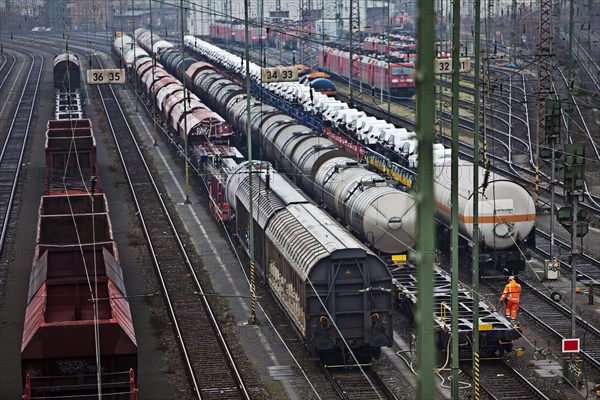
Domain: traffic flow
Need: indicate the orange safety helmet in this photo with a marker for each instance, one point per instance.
(511, 278)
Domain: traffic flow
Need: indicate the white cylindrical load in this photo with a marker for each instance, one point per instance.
(385, 217)
(506, 210)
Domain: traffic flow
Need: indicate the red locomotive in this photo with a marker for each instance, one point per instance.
(397, 79)
(235, 32)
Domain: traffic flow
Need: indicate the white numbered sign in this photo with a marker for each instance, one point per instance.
(279, 74)
(444, 65)
(101, 76)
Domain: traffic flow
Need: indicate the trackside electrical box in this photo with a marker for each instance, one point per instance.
(552, 269)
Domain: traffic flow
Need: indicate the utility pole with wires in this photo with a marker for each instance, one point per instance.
(250, 161)
(455, 130)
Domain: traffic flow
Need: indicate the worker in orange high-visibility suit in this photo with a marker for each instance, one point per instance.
(512, 293)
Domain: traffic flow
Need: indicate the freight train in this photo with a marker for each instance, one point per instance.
(379, 214)
(351, 323)
(78, 333)
(130, 50)
(506, 217)
(275, 32)
(496, 332)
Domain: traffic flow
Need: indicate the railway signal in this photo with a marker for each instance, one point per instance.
(552, 120)
(574, 163)
(565, 218)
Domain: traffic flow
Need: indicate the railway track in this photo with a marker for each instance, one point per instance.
(556, 319)
(13, 148)
(359, 384)
(500, 381)
(6, 68)
(588, 266)
(210, 364)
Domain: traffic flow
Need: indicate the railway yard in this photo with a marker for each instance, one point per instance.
(219, 278)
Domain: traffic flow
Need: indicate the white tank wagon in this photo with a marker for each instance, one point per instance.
(127, 50)
(506, 214)
(328, 283)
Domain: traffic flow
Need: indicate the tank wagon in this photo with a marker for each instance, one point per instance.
(67, 73)
(150, 41)
(334, 289)
(506, 217)
(127, 50)
(377, 212)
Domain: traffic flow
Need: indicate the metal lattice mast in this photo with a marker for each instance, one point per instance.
(544, 55)
(227, 13)
(544, 73)
(354, 43)
(338, 16)
(305, 10)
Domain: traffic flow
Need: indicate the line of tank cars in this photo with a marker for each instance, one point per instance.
(75, 260)
(506, 209)
(331, 286)
(363, 200)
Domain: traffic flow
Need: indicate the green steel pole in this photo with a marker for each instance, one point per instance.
(249, 142)
(475, 278)
(454, 190)
(425, 80)
(574, 250)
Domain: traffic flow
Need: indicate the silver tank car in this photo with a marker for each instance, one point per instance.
(506, 210)
(385, 217)
(312, 263)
